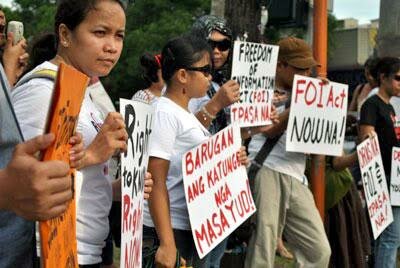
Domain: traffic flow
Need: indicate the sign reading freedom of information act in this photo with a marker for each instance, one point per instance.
(253, 67)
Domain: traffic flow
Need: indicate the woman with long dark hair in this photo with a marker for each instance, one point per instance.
(89, 37)
(186, 69)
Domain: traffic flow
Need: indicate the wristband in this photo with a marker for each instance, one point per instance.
(205, 112)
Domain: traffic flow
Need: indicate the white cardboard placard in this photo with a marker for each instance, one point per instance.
(317, 119)
(216, 187)
(254, 68)
(138, 118)
(374, 183)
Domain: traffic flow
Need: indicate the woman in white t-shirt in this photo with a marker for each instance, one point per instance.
(89, 37)
(152, 75)
(186, 67)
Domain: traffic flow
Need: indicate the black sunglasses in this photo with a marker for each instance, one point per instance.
(222, 45)
(206, 69)
(396, 77)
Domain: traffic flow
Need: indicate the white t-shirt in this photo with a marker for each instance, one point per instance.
(104, 104)
(31, 102)
(101, 98)
(195, 104)
(147, 96)
(280, 160)
(175, 131)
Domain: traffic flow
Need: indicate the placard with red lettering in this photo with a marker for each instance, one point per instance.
(254, 68)
(395, 177)
(317, 119)
(374, 183)
(217, 190)
(138, 118)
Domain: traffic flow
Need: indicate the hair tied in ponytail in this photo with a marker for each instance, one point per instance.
(170, 54)
(158, 60)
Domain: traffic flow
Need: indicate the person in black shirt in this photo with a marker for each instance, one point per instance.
(378, 115)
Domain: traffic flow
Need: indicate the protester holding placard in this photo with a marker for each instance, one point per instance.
(221, 92)
(151, 65)
(94, 29)
(104, 104)
(377, 114)
(211, 109)
(219, 36)
(186, 68)
(27, 185)
(282, 197)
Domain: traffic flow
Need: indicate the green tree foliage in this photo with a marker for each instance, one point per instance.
(333, 26)
(37, 15)
(10, 14)
(150, 24)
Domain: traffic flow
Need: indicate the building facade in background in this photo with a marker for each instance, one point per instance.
(355, 44)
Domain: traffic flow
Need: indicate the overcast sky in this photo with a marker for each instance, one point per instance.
(6, 2)
(363, 10)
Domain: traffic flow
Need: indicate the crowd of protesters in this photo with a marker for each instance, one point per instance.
(189, 87)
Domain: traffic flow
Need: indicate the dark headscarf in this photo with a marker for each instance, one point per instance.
(209, 23)
(204, 26)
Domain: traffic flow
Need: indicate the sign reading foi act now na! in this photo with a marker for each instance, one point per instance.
(317, 119)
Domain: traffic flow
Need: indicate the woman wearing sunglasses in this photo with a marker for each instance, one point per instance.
(186, 67)
(378, 115)
(211, 110)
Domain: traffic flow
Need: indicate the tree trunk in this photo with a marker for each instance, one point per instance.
(244, 17)
(218, 8)
(389, 29)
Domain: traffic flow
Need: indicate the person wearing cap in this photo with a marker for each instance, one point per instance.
(283, 200)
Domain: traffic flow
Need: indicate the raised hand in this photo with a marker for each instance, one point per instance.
(111, 137)
(15, 59)
(227, 94)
